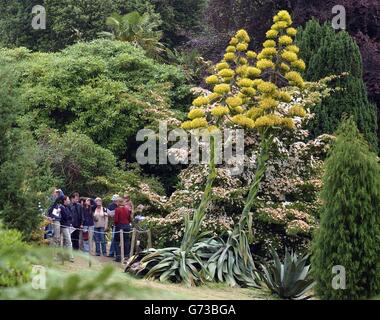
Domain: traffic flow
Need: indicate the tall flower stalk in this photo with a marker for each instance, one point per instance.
(193, 227)
(247, 90)
(245, 219)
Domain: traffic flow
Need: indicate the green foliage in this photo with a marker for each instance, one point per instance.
(24, 178)
(138, 29)
(105, 89)
(169, 264)
(289, 279)
(84, 20)
(230, 261)
(327, 52)
(65, 23)
(349, 230)
(14, 268)
(180, 17)
(181, 264)
(81, 164)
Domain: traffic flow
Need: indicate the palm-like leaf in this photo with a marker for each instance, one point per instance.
(137, 29)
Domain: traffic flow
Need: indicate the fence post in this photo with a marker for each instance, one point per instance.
(149, 239)
(122, 244)
(133, 241)
(90, 239)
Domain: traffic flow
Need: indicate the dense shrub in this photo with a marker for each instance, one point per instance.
(82, 20)
(66, 23)
(105, 89)
(350, 223)
(326, 53)
(14, 270)
(24, 178)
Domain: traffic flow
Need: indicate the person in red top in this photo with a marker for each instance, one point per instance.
(122, 222)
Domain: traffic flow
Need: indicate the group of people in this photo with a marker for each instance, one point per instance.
(79, 220)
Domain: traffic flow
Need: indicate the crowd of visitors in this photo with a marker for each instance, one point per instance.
(75, 221)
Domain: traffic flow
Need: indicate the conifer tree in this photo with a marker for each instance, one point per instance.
(349, 232)
(327, 52)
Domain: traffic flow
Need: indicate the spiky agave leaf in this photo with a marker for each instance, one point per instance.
(231, 261)
(289, 279)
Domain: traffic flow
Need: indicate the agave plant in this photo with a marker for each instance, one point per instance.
(289, 279)
(187, 262)
(230, 261)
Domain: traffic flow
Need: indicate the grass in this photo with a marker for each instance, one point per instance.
(156, 290)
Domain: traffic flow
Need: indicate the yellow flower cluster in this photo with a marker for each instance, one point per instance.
(271, 34)
(242, 47)
(238, 91)
(251, 54)
(234, 102)
(243, 121)
(269, 44)
(222, 65)
(226, 73)
(269, 51)
(254, 112)
(284, 67)
(285, 40)
(264, 64)
(253, 72)
(291, 32)
(213, 79)
(295, 78)
(273, 120)
(231, 49)
(283, 96)
(194, 124)
(212, 97)
(289, 56)
(293, 48)
(196, 113)
(266, 87)
(243, 36)
(200, 101)
(297, 111)
(245, 82)
(299, 64)
(229, 56)
(249, 91)
(268, 103)
(222, 88)
(219, 111)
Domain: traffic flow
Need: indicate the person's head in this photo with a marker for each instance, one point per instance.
(56, 193)
(120, 202)
(66, 200)
(115, 198)
(126, 197)
(87, 202)
(82, 201)
(98, 202)
(74, 198)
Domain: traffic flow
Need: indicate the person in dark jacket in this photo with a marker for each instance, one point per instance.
(66, 221)
(111, 213)
(88, 224)
(122, 222)
(54, 216)
(77, 219)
